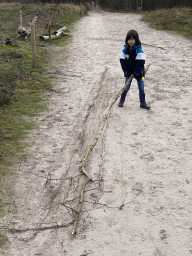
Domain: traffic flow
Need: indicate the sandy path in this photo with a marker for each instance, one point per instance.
(140, 202)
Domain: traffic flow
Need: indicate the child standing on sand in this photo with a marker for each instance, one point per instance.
(132, 61)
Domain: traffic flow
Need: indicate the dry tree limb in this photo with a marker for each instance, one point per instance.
(56, 35)
(69, 207)
(13, 230)
(89, 178)
(80, 206)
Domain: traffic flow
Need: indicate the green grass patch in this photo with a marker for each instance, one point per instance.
(3, 239)
(22, 88)
(177, 20)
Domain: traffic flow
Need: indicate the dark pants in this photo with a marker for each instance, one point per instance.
(140, 86)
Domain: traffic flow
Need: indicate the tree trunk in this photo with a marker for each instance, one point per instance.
(56, 35)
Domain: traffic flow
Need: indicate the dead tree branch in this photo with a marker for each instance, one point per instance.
(13, 230)
(89, 178)
(80, 206)
(56, 35)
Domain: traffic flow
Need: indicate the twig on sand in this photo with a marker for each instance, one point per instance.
(15, 230)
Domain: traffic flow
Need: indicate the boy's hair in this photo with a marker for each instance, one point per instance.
(132, 33)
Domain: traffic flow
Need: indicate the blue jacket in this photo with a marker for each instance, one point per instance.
(132, 61)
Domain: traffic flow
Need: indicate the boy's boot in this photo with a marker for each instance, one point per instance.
(122, 99)
(142, 101)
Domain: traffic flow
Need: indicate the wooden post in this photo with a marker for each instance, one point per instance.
(58, 17)
(33, 46)
(49, 27)
(21, 19)
(71, 10)
(81, 8)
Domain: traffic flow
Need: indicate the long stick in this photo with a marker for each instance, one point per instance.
(80, 206)
(89, 178)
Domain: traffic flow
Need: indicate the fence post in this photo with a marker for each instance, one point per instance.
(71, 10)
(33, 46)
(81, 8)
(21, 23)
(58, 17)
(49, 27)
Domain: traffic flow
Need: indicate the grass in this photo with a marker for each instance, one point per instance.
(3, 239)
(177, 20)
(21, 86)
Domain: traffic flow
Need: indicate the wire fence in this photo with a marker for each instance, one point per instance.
(59, 14)
(18, 44)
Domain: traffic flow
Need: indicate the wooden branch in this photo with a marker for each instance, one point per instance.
(87, 180)
(91, 148)
(13, 230)
(80, 206)
(56, 35)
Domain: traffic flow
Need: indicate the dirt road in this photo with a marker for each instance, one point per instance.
(140, 200)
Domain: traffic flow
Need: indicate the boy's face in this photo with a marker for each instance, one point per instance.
(131, 41)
